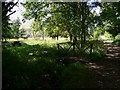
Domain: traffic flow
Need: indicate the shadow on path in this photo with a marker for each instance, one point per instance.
(108, 70)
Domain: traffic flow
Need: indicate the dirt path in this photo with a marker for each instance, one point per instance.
(108, 70)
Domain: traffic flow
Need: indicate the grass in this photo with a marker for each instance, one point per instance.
(34, 65)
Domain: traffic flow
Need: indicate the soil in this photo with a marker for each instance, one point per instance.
(107, 71)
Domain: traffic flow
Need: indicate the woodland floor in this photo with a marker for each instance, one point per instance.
(108, 69)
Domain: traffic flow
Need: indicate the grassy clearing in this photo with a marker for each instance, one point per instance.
(34, 65)
(32, 41)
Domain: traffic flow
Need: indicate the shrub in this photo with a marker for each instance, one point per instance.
(116, 42)
(19, 73)
(98, 50)
(117, 37)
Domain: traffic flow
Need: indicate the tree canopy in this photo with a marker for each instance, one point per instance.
(78, 20)
(7, 7)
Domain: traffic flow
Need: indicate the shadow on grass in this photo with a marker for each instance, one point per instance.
(35, 67)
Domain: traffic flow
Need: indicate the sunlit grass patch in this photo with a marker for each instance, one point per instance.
(32, 41)
(48, 48)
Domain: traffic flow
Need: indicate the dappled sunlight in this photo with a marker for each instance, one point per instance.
(38, 63)
(113, 52)
(32, 41)
(110, 55)
(94, 65)
(32, 63)
(113, 58)
(107, 69)
(58, 46)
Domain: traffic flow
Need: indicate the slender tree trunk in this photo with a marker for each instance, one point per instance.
(83, 31)
(70, 37)
(34, 34)
(57, 37)
(42, 31)
(82, 22)
(85, 25)
(43, 34)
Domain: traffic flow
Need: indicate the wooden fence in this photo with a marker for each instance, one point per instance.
(73, 46)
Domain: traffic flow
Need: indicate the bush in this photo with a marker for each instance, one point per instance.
(21, 73)
(117, 42)
(13, 70)
(98, 50)
(117, 37)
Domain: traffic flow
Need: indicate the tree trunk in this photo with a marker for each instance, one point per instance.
(83, 31)
(43, 34)
(33, 34)
(57, 37)
(71, 38)
(42, 31)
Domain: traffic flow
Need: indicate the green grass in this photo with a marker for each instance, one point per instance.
(34, 65)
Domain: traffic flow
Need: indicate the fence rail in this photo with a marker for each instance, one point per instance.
(74, 45)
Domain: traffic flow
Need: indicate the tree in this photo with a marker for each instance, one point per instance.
(73, 17)
(7, 7)
(34, 28)
(111, 15)
(15, 28)
(37, 10)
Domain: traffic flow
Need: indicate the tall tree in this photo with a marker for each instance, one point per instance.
(37, 10)
(73, 17)
(15, 25)
(111, 15)
(7, 7)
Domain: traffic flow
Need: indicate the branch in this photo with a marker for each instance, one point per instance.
(12, 6)
(11, 13)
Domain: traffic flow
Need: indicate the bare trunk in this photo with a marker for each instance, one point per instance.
(83, 32)
(70, 37)
(57, 37)
(43, 34)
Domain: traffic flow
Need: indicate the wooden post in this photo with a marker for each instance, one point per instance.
(58, 46)
(91, 47)
(73, 44)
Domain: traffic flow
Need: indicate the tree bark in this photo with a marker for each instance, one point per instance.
(83, 31)
(70, 37)
(57, 37)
